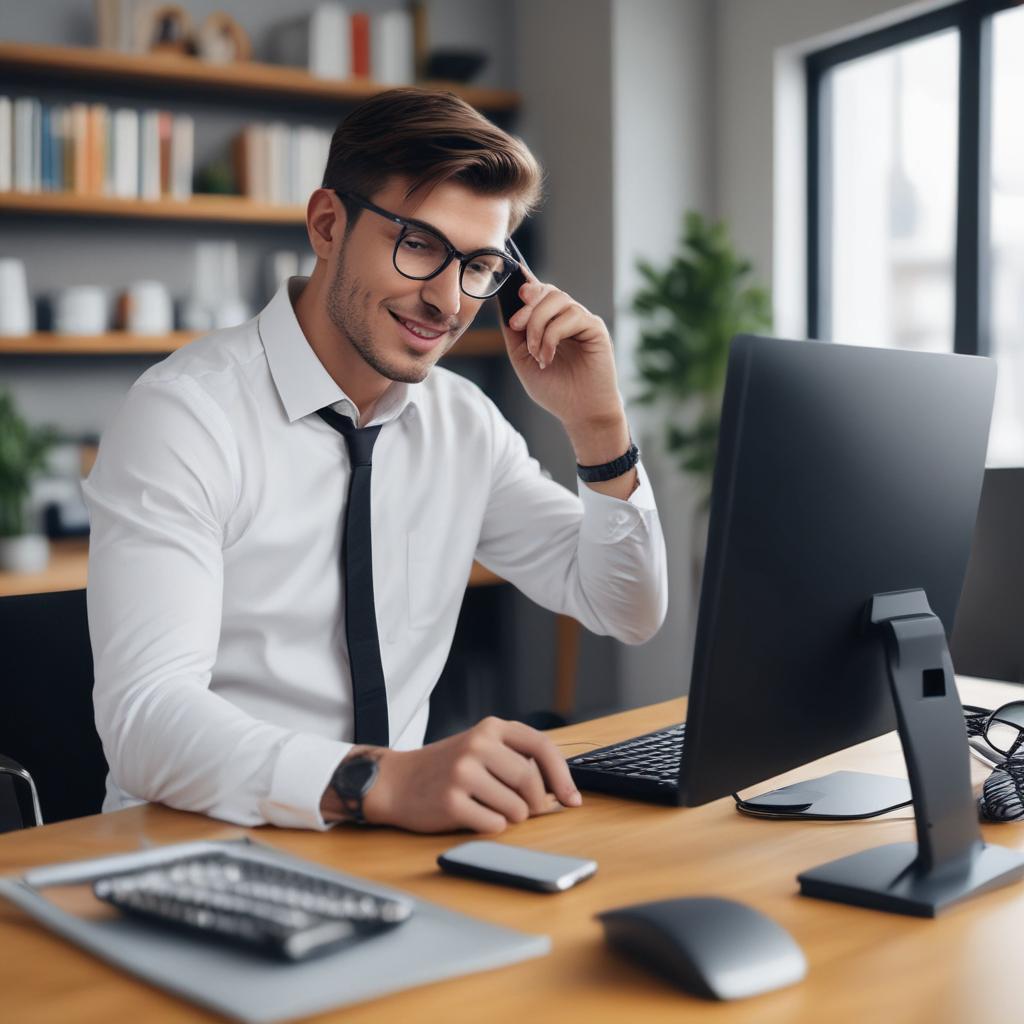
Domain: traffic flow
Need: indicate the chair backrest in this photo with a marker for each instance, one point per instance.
(46, 711)
(988, 636)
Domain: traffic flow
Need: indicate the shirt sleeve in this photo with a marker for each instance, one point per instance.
(164, 485)
(589, 555)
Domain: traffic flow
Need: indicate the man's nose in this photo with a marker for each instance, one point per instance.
(443, 292)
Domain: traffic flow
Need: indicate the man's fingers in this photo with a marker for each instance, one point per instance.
(551, 763)
(568, 323)
(495, 795)
(549, 307)
(468, 813)
(521, 774)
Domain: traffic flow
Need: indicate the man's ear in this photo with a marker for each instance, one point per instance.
(326, 220)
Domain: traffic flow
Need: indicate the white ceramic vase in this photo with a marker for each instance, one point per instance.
(28, 553)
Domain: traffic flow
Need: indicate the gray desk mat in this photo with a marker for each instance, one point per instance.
(432, 945)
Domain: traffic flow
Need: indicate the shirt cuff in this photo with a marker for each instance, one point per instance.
(301, 776)
(608, 519)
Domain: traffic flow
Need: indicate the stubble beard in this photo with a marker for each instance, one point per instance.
(346, 308)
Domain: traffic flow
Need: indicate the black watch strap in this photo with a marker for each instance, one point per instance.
(351, 781)
(609, 470)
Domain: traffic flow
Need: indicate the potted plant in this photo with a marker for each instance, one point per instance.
(23, 453)
(689, 311)
(693, 307)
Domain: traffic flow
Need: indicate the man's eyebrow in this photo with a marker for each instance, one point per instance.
(416, 222)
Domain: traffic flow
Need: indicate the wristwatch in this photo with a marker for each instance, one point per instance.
(609, 470)
(352, 780)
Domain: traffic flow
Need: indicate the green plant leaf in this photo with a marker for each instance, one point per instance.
(690, 310)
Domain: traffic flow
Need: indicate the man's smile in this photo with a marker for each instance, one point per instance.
(421, 336)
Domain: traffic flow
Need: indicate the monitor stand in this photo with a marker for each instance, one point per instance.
(950, 861)
(840, 795)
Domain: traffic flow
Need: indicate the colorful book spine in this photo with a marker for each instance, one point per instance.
(361, 45)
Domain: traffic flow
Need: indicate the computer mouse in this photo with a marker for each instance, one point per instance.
(710, 947)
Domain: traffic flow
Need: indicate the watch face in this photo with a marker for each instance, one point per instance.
(356, 776)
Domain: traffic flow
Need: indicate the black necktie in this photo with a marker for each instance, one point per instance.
(369, 697)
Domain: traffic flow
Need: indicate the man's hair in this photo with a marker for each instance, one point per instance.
(429, 138)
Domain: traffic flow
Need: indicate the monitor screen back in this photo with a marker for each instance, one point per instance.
(988, 638)
(842, 472)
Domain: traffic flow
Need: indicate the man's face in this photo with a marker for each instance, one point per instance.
(402, 327)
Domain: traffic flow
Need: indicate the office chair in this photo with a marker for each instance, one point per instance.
(46, 716)
(987, 638)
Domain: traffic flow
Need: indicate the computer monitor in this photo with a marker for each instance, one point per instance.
(843, 472)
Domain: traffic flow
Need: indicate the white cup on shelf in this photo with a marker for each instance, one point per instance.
(148, 308)
(81, 309)
(16, 313)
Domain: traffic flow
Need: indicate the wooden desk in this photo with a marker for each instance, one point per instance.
(864, 965)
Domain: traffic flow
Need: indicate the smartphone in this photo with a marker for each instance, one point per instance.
(508, 296)
(516, 865)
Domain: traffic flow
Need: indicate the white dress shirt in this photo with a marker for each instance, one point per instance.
(215, 591)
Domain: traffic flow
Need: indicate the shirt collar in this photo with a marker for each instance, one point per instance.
(302, 383)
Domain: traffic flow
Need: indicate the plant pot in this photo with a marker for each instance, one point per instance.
(27, 553)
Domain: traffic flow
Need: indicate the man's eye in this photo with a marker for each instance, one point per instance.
(414, 244)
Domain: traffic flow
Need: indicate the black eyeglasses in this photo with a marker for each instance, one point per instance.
(1002, 729)
(422, 252)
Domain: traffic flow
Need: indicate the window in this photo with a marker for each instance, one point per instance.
(916, 191)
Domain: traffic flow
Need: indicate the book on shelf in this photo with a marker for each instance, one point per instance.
(320, 42)
(331, 42)
(392, 48)
(91, 149)
(279, 163)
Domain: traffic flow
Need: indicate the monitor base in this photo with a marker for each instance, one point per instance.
(838, 795)
(890, 878)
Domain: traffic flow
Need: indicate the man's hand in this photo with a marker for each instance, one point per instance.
(482, 779)
(564, 357)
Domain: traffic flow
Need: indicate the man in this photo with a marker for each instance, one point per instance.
(239, 671)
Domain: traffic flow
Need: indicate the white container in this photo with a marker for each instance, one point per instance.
(16, 313)
(81, 309)
(148, 309)
(28, 553)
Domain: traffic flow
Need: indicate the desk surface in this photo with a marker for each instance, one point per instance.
(961, 967)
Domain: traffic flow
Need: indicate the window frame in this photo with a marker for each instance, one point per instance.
(973, 21)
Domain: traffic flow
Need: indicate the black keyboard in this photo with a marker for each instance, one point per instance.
(644, 767)
(285, 912)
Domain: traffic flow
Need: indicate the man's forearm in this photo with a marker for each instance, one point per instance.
(599, 441)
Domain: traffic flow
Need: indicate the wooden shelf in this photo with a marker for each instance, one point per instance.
(235, 209)
(243, 77)
(45, 343)
(484, 341)
(69, 562)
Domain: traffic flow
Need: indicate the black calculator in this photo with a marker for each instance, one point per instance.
(283, 912)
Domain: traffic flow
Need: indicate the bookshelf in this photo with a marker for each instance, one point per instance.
(93, 69)
(200, 207)
(242, 78)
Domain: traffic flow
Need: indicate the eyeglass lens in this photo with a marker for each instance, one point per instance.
(420, 254)
(1005, 728)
